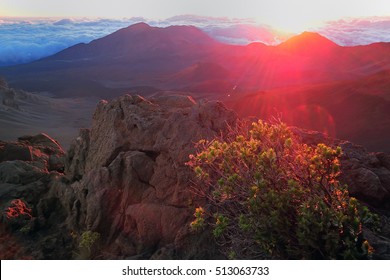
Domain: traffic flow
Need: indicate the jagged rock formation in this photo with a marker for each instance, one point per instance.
(132, 164)
(126, 178)
(367, 174)
(27, 168)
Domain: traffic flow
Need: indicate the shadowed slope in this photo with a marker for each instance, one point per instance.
(354, 110)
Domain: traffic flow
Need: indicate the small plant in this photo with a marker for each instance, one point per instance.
(199, 222)
(272, 196)
(88, 239)
(221, 224)
(26, 229)
(87, 244)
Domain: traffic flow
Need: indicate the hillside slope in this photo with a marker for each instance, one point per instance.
(356, 110)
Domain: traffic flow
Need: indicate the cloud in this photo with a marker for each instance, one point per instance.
(354, 32)
(204, 21)
(242, 34)
(24, 40)
(228, 30)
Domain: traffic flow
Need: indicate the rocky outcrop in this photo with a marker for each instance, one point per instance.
(27, 168)
(366, 174)
(77, 155)
(29, 159)
(126, 179)
(128, 173)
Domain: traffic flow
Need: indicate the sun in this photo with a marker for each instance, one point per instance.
(293, 22)
(293, 25)
(294, 16)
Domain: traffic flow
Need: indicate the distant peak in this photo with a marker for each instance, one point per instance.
(133, 29)
(140, 26)
(308, 40)
(312, 36)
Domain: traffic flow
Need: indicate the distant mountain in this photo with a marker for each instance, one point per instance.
(184, 57)
(137, 41)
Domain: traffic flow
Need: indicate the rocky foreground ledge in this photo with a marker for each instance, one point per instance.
(126, 179)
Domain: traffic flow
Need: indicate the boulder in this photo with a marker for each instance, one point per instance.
(366, 174)
(20, 172)
(15, 151)
(44, 142)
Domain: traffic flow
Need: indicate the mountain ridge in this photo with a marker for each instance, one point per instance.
(142, 55)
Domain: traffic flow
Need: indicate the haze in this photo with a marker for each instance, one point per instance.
(292, 16)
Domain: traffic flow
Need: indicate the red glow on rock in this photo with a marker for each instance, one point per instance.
(18, 208)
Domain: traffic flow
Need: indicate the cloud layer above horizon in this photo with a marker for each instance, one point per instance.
(25, 40)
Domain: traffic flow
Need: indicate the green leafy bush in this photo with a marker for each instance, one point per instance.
(272, 196)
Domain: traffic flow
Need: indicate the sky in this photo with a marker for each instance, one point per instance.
(290, 15)
(32, 29)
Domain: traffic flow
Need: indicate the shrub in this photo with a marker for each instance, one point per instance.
(271, 196)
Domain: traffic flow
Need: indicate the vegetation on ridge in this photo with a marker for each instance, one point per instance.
(268, 195)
